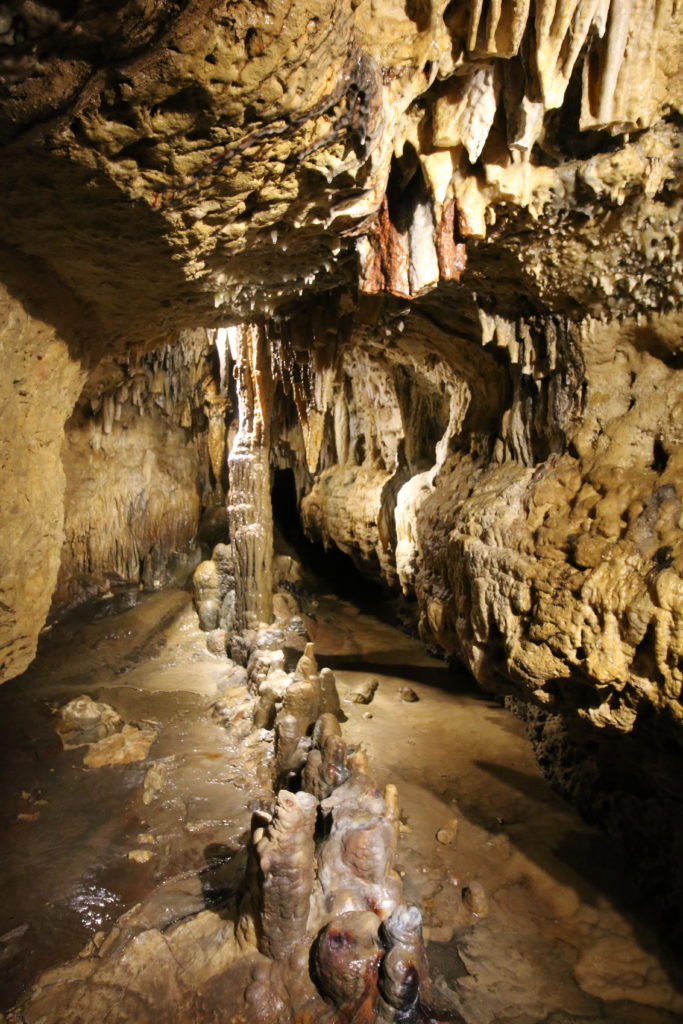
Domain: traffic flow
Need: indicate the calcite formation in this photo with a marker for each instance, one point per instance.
(249, 509)
(138, 471)
(285, 852)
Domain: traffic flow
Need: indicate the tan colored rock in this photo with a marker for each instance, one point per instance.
(84, 721)
(41, 377)
(129, 745)
(448, 833)
(155, 779)
(140, 856)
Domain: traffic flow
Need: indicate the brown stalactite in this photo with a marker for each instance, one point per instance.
(452, 254)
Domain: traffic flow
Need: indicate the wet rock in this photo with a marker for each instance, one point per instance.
(240, 647)
(291, 747)
(364, 693)
(206, 582)
(325, 767)
(129, 745)
(475, 900)
(285, 854)
(301, 699)
(119, 601)
(407, 694)
(269, 638)
(84, 720)
(140, 856)
(155, 780)
(327, 725)
(447, 834)
(613, 968)
(236, 676)
(223, 558)
(307, 666)
(329, 695)
(285, 606)
(208, 611)
(406, 988)
(216, 641)
(286, 570)
(347, 957)
(235, 711)
(227, 612)
(262, 663)
(356, 869)
(296, 630)
(266, 709)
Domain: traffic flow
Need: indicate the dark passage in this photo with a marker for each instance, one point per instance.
(335, 570)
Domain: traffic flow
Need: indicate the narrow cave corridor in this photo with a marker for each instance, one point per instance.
(330, 567)
(341, 515)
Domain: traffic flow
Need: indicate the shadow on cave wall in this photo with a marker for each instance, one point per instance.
(333, 570)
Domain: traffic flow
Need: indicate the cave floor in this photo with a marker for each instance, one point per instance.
(558, 941)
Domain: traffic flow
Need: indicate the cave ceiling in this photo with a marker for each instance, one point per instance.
(196, 164)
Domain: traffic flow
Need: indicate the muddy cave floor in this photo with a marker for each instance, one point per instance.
(80, 846)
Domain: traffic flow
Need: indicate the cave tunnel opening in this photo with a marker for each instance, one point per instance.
(334, 569)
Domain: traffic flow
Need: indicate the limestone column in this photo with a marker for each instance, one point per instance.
(250, 513)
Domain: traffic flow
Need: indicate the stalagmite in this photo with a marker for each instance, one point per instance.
(285, 859)
(348, 955)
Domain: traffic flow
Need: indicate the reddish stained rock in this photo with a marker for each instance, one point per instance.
(452, 255)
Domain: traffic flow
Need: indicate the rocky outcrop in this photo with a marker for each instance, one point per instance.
(238, 151)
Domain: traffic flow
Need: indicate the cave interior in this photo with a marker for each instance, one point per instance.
(341, 568)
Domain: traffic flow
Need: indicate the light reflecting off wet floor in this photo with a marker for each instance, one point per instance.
(81, 845)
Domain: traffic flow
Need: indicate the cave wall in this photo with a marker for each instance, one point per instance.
(522, 489)
(138, 468)
(109, 457)
(43, 371)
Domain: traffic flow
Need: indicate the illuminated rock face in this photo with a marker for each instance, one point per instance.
(40, 382)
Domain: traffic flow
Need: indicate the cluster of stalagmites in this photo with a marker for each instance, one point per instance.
(214, 590)
(323, 900)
